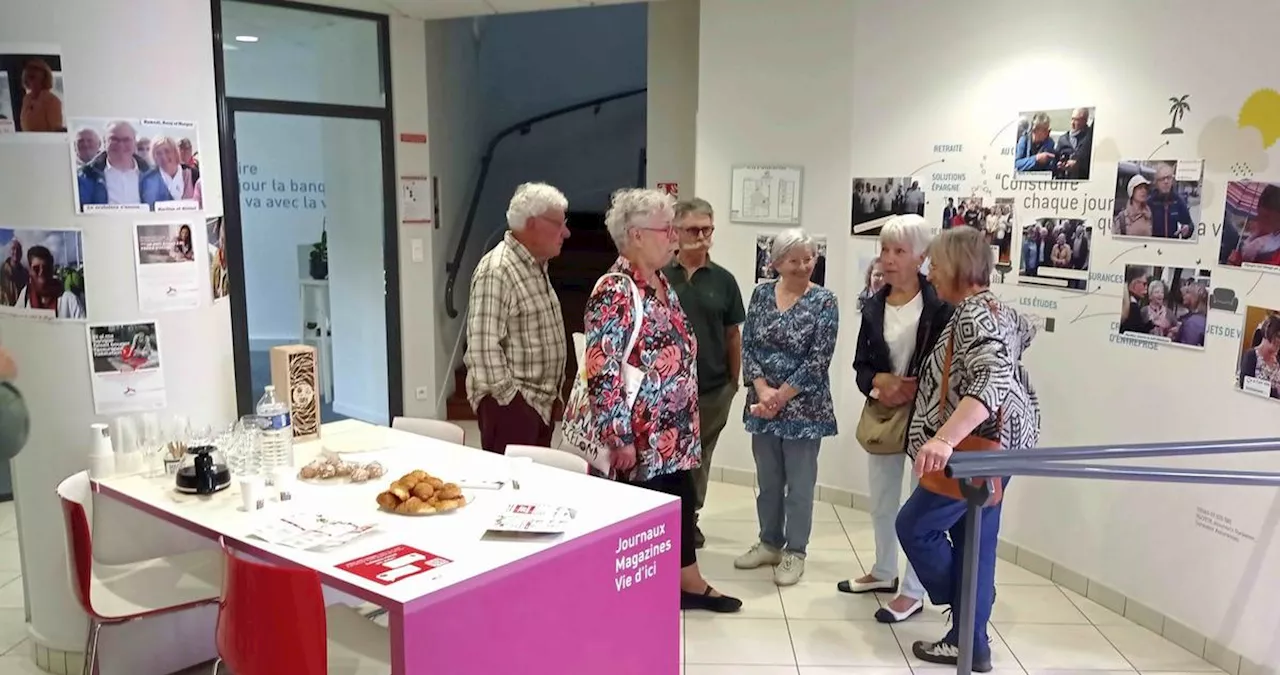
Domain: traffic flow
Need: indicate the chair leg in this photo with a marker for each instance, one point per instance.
(217, 662)
(91, 647)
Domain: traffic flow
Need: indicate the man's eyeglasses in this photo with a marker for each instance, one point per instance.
(704, 231)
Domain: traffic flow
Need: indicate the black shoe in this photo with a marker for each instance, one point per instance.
(852, 586)
(719, 604)
(946, 654)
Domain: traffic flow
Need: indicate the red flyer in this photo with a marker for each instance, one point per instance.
(394, 564)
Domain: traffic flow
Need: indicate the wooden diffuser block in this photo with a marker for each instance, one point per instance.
(297, 379)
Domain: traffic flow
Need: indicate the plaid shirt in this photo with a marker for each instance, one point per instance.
(515, 332)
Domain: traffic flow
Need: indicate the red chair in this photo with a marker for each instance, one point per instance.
(116, 594)
(272, 620)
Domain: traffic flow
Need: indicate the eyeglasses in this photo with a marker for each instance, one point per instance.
(668, 230)
(704, 231)
(557, 223)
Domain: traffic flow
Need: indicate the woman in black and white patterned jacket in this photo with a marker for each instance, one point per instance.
(973, 383)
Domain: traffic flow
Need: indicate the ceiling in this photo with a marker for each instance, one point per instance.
(449, 9)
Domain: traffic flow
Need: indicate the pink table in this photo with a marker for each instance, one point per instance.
(602, 598)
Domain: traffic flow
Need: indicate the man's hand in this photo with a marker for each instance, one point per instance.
(1043, 157)
(8, 367)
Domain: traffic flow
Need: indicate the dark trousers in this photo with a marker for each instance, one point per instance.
(713, 415)
(924, 525)
(679, 484)
(516, 423)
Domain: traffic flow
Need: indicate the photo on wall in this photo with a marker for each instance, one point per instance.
(31, 92)
(1258, 365)
(135, 165)
(42, 275)
(1054, 144)
(764, 268)
(165, 267)
(125, 368)
(1165, 304)
(1158, 199)
(1251, 226)
(216, 242)
(965, 211)
(876, 200)
(1055, 252)
(997, 224)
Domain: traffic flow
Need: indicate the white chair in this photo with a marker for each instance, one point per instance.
(437, 429)
(116, 594)
(560, 459)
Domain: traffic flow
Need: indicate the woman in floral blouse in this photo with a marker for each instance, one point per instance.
(654, 442)
(787, 344)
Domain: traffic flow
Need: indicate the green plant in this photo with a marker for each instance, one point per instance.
(320, 249)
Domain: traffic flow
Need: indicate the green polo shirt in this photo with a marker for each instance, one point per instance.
(712, 301)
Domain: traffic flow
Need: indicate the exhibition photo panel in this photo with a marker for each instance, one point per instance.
(135, 165)
(216, 242)
(1258, 365)
(876, 200)
(1251, 226)
(42, 275)
(1165, 304)
(765, 271)
(1056, 252)
(125, 365)
(31, 92)
(965, 211)
(1054, 144)
(1158, 199)
(166, 270)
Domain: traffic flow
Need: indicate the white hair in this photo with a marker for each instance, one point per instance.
(532, 200)
(910, 231)
(789, 240)
(634, 206)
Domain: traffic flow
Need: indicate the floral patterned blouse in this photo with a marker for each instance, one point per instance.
(791, 347)
(663, 424)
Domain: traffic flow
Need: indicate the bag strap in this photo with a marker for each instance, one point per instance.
(637, 307)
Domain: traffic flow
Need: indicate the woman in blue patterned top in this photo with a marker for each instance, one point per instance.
(787, 344)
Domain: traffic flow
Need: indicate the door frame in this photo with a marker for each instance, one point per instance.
(228, 106)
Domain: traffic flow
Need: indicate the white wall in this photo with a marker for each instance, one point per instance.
(456, 123)
(672, 120)
(111, 70)
(811, 84)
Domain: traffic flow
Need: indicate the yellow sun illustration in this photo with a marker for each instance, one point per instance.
(1262, 112)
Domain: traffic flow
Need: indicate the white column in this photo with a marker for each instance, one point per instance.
(673, 95)
(140, 59)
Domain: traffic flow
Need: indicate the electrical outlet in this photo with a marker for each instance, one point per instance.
(420, 393)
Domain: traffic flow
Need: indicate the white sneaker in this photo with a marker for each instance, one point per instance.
(789, 571)
(759, 556)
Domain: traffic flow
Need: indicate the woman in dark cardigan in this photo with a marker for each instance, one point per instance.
(900, 324)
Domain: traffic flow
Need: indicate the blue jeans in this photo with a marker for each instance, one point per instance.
(787, 470)
(923, 525)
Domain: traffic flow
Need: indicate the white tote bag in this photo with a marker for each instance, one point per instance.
(579, 431)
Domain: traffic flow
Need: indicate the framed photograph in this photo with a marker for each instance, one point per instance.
(767, 195)
(135, 165)
(1158, 199)
(1165, 304)
(1056, 252)
(31, 93)
(42, 274)
(966, 211)
(876, 200)
(1054, 144)
(1258, 364)
(1251, 226)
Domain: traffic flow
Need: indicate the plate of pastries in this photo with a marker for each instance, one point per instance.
(418, 493)
(330, 469)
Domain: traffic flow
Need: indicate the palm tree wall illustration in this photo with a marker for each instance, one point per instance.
(1178, 109)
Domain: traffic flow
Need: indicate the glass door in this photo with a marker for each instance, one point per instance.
(311, 235)
(311, 241)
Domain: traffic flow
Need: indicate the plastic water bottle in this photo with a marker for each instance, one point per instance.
(275, 447)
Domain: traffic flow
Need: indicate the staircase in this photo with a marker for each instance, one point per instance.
(586, 256)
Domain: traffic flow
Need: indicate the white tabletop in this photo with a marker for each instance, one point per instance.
(457, 536)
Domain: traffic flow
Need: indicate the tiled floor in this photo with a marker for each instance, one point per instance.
(810, 629)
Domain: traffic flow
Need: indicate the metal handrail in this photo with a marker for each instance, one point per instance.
(1063, 463)
(455, 266)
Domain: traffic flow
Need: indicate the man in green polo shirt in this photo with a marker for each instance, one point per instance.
(713, 303)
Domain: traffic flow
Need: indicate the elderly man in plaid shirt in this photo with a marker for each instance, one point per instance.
(515, 333)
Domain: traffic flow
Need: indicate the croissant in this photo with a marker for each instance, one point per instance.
(423, 491)
(388, 501)
(400, 490)
(448, 504)
(409, 480)
(449, 491)
(414, 506)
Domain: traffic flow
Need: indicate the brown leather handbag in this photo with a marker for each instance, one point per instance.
(937, 481)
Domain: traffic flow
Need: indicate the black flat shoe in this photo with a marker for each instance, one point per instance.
(852, 586)
(719, 604)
